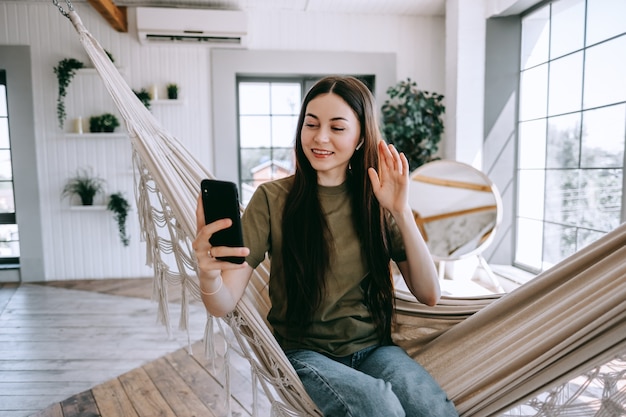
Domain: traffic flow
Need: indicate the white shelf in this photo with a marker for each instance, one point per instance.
(95, 207)
(114, 135)
(93, 71)
(166, 101)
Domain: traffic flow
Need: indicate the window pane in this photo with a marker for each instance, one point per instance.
(254, 98)
(286, 98)
(3, 102)
(284, 130)
(9, 247)
(600, 199)
(4, 133)
(563, 197)
(586, 236)
(605, 66)
(532, 144)
(7, 201)
(6, 172)
(286, 159)
(568, 17)
(534, 93)
(603, 137)
(605, 19)
(566, 83)
(529, 246)
(535, 37)
(254, 131)
(251, 161)
(563, 141)
(531, 194)
(562, 243)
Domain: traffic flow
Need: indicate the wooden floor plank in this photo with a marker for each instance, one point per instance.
(112, 400)
(80, 405)
(176, 392)
(144, 395)
(54, 410)
(204, 384)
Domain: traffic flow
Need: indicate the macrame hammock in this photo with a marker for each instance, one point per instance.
(488, 353)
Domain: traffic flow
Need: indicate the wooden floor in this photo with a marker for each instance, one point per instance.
(93, 348)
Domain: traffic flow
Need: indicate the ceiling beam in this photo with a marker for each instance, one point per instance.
(116, 16)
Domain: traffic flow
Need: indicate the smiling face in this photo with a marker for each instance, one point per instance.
(330, 134)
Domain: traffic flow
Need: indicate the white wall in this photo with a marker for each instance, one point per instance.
(81, 245)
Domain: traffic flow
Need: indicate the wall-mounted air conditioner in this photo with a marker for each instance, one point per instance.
(217, 28)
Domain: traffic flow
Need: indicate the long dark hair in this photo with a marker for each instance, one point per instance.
(307, 244)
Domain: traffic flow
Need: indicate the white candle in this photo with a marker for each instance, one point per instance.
(78, 125)
(154, 92)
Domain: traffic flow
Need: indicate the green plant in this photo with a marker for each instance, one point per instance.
(106, 122)
(110, 55)
(144, 97)
(120, 208)
(413, 121)
(84, 185)
(65, 71)
(172, 91)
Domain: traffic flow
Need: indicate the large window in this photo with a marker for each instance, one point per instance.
(572, 121)
(268, 110)
(9, 241)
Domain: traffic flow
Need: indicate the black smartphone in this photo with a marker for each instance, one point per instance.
(221, 200)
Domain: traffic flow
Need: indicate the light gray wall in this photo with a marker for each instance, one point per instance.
(227, 64)
(17, 63)
(502, 64)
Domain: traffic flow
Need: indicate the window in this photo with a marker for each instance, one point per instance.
(9, 240)
(268, 115)
(571, 132)
(268, 110)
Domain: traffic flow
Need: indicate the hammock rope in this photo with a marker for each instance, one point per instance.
(488, 353)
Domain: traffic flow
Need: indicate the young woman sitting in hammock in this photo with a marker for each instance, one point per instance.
(331, 230)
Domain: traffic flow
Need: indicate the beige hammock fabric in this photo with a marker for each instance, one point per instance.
(488, 353)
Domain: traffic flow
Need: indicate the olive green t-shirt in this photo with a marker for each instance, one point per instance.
(342, 324)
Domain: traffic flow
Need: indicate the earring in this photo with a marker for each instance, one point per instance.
(360, 144)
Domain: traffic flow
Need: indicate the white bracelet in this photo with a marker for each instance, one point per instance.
(213, 292)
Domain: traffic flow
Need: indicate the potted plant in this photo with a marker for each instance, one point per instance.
(144, 97)
(84, 186)
(120, 208)
(413, 121)
(106, 122)
(65, 71)
(172, 91)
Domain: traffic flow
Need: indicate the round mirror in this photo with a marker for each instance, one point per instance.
(456, 207)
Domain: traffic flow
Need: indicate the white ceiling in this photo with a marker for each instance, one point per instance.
(394, 7)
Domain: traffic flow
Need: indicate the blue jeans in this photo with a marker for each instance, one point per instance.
(378, 381)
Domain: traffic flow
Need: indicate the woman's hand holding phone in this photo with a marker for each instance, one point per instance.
(211, 258)
(220, 291)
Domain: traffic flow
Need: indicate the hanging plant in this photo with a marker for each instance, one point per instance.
(65, 71)
(413, 121)
(144, 97)
(120, 208)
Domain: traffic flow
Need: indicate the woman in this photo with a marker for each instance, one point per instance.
(331, 230)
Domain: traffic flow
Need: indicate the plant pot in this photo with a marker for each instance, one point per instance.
(87, 200)
(172, 95)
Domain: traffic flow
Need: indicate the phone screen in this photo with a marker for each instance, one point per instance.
(221, 200)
